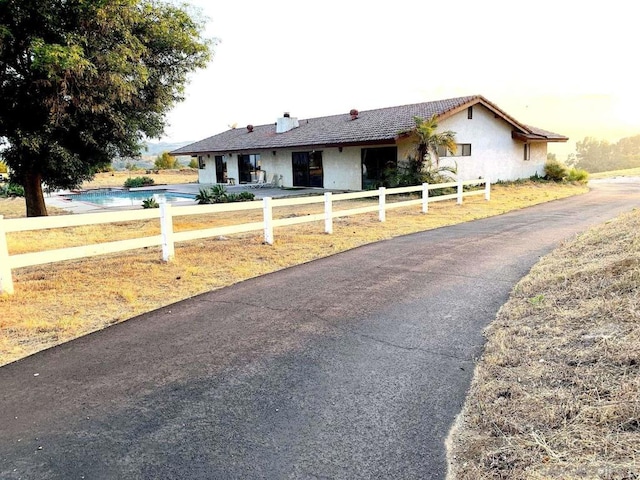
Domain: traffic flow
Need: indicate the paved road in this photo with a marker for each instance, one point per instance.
(349, 367)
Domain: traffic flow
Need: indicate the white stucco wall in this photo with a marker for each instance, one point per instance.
(341, 170)
(232, 167)
(208, 175)
(539, 157)
(494, 154)
(278, 164)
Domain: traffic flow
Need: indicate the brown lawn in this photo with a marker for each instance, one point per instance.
(57, 302)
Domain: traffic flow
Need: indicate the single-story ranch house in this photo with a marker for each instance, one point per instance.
(350, 151)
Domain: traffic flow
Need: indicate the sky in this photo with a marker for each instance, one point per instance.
(569, 67)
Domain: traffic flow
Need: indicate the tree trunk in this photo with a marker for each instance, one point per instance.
(33, 195)
(433, 154)
(422, 153)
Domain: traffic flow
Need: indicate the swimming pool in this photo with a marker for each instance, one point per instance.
(113, 197)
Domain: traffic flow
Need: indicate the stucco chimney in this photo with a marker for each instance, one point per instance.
(286, 123)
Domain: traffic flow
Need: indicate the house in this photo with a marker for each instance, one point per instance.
(350, 151)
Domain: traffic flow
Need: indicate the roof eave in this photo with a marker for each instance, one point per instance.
(533, 138)
(193, 152)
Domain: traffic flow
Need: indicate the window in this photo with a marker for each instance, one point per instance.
(307, 169)
(221, 169)
(378, 164)
(470, 113)
(462, 150)
(527, 151)
(247, 167)
(201, 163)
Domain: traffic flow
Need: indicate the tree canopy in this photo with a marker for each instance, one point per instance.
(423, 166)
(164, 161)
(430, 140)
(83, 81)
(596, 155)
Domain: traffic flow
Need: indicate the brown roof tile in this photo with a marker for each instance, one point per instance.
(371, 126)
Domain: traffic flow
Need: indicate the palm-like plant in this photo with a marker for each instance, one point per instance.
(430, 141)
(204, 197)
(150, 203)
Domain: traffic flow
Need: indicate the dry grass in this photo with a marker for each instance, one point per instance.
(16, 208)
(57, 302)
(629, 172)
(556, 393)
(163, 177)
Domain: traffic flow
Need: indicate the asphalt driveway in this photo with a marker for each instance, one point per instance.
(353, 366)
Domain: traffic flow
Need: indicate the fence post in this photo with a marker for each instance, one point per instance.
(460, 193)
(487, 189)
(6, 281)
(425, 197)
(328, 213)
(166, 230)
(382, 201)
(268, 220)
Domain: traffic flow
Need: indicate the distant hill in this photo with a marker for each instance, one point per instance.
(148, 156)
(153, 149)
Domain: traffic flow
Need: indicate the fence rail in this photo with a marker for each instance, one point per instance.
(168, 237)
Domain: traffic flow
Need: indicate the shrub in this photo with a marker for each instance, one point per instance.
(534, 178)
(413, 172)
(246, 196)
(577, 175)
(193, 163)
(103, 168)
(11, 190)
(137, 182)
(204, 196)
(3, 167)
(131, 166)
(218, 194)
(555, 171)
(150, 203)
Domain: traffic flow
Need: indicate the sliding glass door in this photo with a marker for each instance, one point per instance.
(307, 169)
(247, 167)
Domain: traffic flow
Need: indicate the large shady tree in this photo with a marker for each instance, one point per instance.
(82, 81)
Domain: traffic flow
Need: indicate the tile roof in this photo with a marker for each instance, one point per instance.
(538, 132)
(371, 126)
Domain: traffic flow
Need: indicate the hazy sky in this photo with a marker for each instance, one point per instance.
(569, 67)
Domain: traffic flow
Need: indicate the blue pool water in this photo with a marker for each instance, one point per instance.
(108, 197)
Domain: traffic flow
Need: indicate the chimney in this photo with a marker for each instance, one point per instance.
(354, 114)
(286, 123)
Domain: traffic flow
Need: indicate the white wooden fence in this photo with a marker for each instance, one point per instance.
(168, 237)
